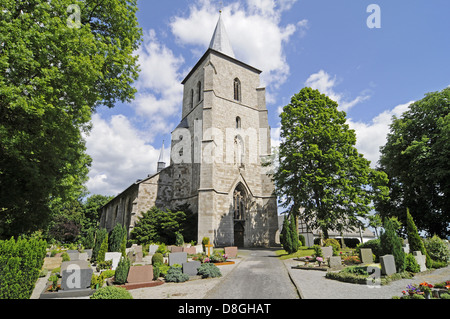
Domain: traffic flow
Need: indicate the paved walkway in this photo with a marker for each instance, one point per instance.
(260, 275)
(312, 284)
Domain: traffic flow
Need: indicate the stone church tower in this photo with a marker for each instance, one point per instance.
(216, 155)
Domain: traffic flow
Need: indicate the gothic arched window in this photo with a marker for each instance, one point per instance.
(238, 122)
(239, 202)
(237, 90)
(191, 99)
(199, 90)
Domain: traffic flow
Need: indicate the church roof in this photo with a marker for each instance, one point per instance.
(220, 41)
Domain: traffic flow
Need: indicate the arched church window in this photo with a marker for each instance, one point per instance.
(199, 90)
(237, 90)
(238, 122)
(191, 99)
(239, 202)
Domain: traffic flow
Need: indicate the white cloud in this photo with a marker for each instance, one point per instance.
(160, 92)
(120, 155)
(255, 33)
(371, 136)
(323, 82)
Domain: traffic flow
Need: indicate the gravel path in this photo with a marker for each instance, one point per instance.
(312, 284)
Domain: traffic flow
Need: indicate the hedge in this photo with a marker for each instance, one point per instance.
(20, 264)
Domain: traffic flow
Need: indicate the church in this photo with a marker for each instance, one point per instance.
(217, 155)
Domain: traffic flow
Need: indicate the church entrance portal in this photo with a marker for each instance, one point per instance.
(240, 208)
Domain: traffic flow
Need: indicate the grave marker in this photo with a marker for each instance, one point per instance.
(366, 255)
(191, 268)
(335, 262)
(115, 257)
(152, 249)
(388, 265)
(327, 252)
(76, 275)
(138, 274)
(231, 252)
(177, 258)
(421, 260)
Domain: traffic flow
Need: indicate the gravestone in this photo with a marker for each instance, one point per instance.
(388, 265)
(138, 253)
(177, 258)
(421, 260)
(231, 252)
(83, 256)
(335, 262)
(327, 252)
(115, 257)
(73, 254)
(191, 268)
(138, 274)
(76, 275)
(405, 248)
(190, 250)
(198, 249)
(152, 249)
(88, 252)
(176, 249)
(366, 255)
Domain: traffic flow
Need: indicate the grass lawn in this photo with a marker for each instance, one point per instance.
(302, 252)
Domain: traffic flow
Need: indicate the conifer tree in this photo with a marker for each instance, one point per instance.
(391, 244)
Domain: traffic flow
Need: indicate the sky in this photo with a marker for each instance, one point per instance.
(373, 60)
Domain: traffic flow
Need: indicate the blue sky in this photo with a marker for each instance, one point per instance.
(373, 73)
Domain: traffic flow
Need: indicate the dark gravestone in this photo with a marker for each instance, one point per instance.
(191, 268)
(76, 275)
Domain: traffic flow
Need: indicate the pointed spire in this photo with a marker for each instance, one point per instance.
(161, 163)
(220, 41)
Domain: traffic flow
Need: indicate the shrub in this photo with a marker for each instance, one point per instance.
(157, 258)
(392, 244)
(205, 241)
(20, 264)
(111, 292)
(122, 269)
(208, 270)
(411, 264)
(162, 249)
(289, 237)
(179, 240)
(65, 256)
(99, 237)
(356, 270)
(103, 250)
(445, 296)
(302, 240)
(317, 251)
(333, 243)
(160, 269)
(116, 238)
(437, 249)
(175, 274)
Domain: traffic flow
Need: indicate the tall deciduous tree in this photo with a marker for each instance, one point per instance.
(416, 159)
(321, 176)
(59, 60)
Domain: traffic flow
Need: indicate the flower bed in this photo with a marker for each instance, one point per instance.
(426, 290)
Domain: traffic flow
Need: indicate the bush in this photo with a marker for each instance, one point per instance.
(111, 292)
(356, 270)
(160, 269)
(391, 244)
(157, 258)
(122, 270)
(179, 240)
(289, 236)
(99, 237)
(20, 264)
(445, 296)
(103, 250)
(116, 238)
(333, 243)
(437, 249)
(302, 239)
(65, 256)
(175, 274)
(208, 270)
(411, 264)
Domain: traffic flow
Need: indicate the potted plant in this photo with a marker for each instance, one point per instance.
(426, 289)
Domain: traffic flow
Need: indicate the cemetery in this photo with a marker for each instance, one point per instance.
(83, 272)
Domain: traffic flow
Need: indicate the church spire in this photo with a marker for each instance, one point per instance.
(220, 41)
(161, 163)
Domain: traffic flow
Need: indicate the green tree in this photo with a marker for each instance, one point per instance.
(116, 238)
(321, 177)
(53, 74)
(158, 225)
(391, 244)
(414, 240)
(415, 158)
(289, 235)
